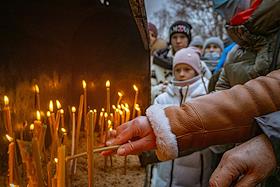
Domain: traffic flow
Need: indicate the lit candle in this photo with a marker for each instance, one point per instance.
(63, 136)
(121, 117)
(73, 119)
(7, 114)
(37, 124)
(31, 127)
(104, 128)
(85, 102)
(127, 114)
(79, 122)
(90, 147)
(62, 118)
(108, 96)
(94, 118)
(11, 152)
(135, 100)
(137, 108)
(120, 98)
(37, 97)
(58, 115)
(100, 123)
(52, 117)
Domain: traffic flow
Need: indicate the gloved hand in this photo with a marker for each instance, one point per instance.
(245, 165)
(135, 136)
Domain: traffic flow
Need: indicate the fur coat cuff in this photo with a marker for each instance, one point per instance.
(167, 148)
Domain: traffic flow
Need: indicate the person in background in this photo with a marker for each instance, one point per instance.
(156, 43)
(179, 37)
(193, 170)
(197, 42)
(226, 116)
(212, 50)
(229, 45)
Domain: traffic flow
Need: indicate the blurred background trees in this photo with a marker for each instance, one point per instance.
(199, 13)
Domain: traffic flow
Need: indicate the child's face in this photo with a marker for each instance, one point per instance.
(184, 72)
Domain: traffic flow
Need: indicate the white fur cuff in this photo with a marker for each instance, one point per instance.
(167, 148)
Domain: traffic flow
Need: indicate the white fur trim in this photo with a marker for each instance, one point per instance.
(167, 148)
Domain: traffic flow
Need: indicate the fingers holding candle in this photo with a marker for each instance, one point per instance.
(138, 129)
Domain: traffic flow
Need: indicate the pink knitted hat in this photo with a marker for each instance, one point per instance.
(190, 56)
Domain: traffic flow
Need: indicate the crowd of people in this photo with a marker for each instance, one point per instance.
(214, 118)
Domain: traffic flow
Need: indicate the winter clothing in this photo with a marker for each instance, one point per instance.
(213, 40)
(228, 8)
(189, 56)
(180, 27)
(223, 57)
(173, 94)
(211, 58)
(158, 44)
(161, 69)
(192, 170)
(208, 121)
(197, 41)
(153, 28)
(257, 39)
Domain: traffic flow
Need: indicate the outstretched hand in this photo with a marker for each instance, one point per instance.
(134, 137)
(246, 165)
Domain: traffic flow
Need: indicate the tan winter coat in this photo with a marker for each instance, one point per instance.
(219, 118)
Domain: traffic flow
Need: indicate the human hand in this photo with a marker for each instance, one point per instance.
(245, 165)
(135, 136)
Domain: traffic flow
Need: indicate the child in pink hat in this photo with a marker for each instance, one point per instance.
(188, 83)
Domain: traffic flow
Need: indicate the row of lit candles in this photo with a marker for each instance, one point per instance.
(120, 114)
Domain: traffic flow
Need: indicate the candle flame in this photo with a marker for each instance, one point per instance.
(114, 107)
(137, 107)
(121, 112)
(126, 109)
(84, 84)
(6, 100)
(73, 109)
(103, 110)
(106, 115)
(61, 111)
(9, 138)
(101, 114)
(36, 88)
(63, 130)
(56, 160)
(48, 113)
(119, 107)
(31, 127)
(38, 115)
(107, 84)
(109, 123)
(51, 106)
(120, 94)
(58, 105)
(135, 88)
(94, 110)
(126, 105)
